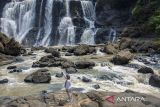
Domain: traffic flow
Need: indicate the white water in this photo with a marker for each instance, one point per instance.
(66, 28)
(48, 23)
(89, 16)
(121, 78)
(18, 18)
(112, 35)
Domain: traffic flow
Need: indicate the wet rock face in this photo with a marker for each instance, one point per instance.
(137, 45)
(2, 4)
(123, 57)
(155, 81)
(40, 76)
(113, 12)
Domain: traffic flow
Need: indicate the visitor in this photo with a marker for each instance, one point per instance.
(68, 87)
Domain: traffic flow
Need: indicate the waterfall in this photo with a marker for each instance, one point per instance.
(47, 23)
(18, 18)
(89, 16)
(66, 28)
(112, 35)
(37, 43)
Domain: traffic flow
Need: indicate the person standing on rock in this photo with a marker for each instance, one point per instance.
(68, 87)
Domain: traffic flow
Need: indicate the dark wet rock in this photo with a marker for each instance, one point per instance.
(53, 51)
(146, 70)
(38, 48)
(15, 70)
(111, 48)
(50, 50)
(123, 57)
(30, 53)
(96, 86)
(9, 46)
(110, 76)
(69, 49)
(83, 50)
(131, 65)
(59, 75)
(67, 64)
(85, 79)
(51, 61)
(40, 76)
(11, 67)
(56, 53)
(131, 32)
(71, 70)
(84, 65)
(68, 54)
(154, 80)
(3, 81)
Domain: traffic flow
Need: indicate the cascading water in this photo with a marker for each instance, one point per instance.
(48, 22)
(112, 35)
(66, 28)
(47, 28)
(18, 18)
(89, 16)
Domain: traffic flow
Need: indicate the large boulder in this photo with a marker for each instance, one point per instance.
(85, 79)
(40, 76)
(146, 70)
(9, 46)
(71, 70)
(154, 80)
(54, 52)
(110, 48)
(123, 57)
(83, 50)
(51, 61)
(59, 75)
(84, 64)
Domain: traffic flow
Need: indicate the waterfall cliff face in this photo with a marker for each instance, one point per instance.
(50, 22)
(18, 18)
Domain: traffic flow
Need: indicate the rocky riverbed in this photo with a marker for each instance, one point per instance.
(90, 68)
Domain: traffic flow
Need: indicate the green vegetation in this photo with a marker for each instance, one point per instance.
(147, 14)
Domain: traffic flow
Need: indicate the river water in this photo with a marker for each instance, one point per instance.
(119, 79)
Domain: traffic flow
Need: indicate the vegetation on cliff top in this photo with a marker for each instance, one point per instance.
(147, 14)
